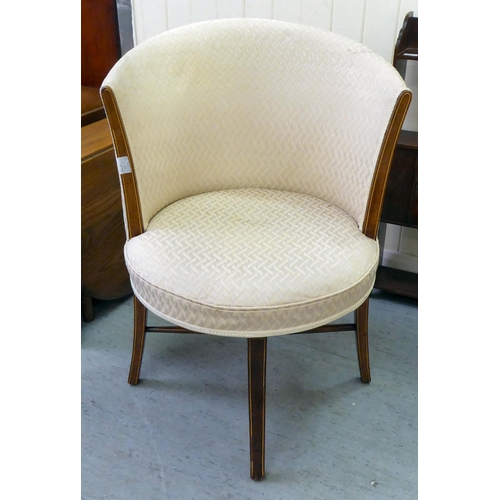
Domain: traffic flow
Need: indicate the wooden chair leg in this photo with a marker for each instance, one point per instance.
(257, 351)
(140, 314)
(362, 341)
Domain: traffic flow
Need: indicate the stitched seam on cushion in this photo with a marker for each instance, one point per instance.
(260, 308)
(249, 334)
(254, 308)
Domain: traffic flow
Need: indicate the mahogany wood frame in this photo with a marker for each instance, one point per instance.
(379, 183)
(375, 198)
(257, 357)
(257, 347)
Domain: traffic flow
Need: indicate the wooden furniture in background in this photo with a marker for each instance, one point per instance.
(92, 108)
(100, 49)
(104, 275)
(406, 48)
(401, 197)
(100, 40)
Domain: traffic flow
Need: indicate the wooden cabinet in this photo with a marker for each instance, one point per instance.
(401, 198)
(104, 275)
(100, 50)
(400, 207)
(92, 107)
(400, 204)
(100, 40)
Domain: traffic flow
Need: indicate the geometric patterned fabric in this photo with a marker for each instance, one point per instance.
(252, 263)
(254, 103)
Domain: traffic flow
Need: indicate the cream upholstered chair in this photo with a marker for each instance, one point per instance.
(253, 157)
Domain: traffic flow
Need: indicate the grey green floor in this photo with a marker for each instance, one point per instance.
(182, 433)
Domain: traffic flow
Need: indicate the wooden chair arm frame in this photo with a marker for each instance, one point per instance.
(376, 196)
(379, 183)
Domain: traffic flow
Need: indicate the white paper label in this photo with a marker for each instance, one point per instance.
(123, 165)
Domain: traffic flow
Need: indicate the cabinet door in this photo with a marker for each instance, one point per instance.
(104, 275)
(400, 201)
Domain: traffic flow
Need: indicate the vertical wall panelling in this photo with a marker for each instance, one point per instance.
(287, 10)
(317, 13)
(230, 8)
(137, 21)
(373, 22)
(348, 18)
(203, 10)
(149, 18)
(179, 13)
(259, 8)
(380, 14)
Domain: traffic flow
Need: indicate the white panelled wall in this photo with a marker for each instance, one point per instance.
(376, 23)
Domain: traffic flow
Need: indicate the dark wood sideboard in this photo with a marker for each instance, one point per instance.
(104, 275)
(103, 272)
(400, 204)
(100, 49)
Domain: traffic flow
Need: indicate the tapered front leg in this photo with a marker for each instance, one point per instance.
(140, 314)
(257, 352)
(362, 341)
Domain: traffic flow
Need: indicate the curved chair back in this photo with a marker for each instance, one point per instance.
(254, 103)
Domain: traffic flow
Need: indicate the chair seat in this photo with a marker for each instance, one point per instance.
(251, 263)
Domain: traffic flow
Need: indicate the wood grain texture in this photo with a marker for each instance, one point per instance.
(130, 194)
(257, 353)
(92, 108)
(140, 320)
(100, 40)
(95, 138)
(374, 208)
(361, 315)
(104, 275)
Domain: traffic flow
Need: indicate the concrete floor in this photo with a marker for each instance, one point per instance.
(182, 433)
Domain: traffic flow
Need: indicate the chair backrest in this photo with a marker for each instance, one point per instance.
(252, 103)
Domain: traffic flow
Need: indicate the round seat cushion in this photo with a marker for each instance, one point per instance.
(251, 263)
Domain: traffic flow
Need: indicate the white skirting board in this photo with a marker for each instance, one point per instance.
(399, 247)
